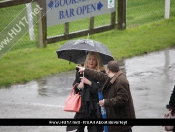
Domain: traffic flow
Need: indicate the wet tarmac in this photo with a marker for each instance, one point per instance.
(151, 77)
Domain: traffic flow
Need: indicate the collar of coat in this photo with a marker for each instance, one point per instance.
(115, 76)
(110, 82)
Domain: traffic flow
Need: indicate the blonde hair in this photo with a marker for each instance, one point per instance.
(99, 66)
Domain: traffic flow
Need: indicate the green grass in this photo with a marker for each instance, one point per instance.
(23, 64)
(145, 11)
(27, 64)
(138, 13)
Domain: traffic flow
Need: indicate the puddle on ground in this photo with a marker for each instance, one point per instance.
(151, 77)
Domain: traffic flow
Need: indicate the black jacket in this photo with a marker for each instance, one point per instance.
(90, 108)
(89, 97)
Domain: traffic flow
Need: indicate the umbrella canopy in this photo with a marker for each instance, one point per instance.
(76, 50)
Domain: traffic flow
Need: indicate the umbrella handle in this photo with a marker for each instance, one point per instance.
(83, 72)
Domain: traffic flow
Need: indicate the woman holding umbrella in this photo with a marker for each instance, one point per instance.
(88, 89)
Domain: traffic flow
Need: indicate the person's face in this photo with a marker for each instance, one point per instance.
(92, 62)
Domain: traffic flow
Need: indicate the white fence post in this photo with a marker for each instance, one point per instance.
(167, 9)
(30, 21)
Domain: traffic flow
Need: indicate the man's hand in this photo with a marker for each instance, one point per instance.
(85, 80)
(101, 102)
(81, 69)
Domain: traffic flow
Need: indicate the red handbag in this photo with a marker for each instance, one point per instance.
(73, 102)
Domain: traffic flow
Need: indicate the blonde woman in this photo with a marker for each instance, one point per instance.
(88, 89)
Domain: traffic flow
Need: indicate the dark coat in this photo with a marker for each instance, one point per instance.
(90, 108)
(118, 99)
(89, 97)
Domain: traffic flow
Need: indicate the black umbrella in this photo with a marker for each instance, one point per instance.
(76, 50)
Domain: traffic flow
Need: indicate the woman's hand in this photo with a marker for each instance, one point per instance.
(85, 80)
(81, 85)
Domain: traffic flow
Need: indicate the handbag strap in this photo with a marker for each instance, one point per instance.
(73, 89)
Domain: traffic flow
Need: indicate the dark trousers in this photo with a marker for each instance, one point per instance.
(128, 130)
